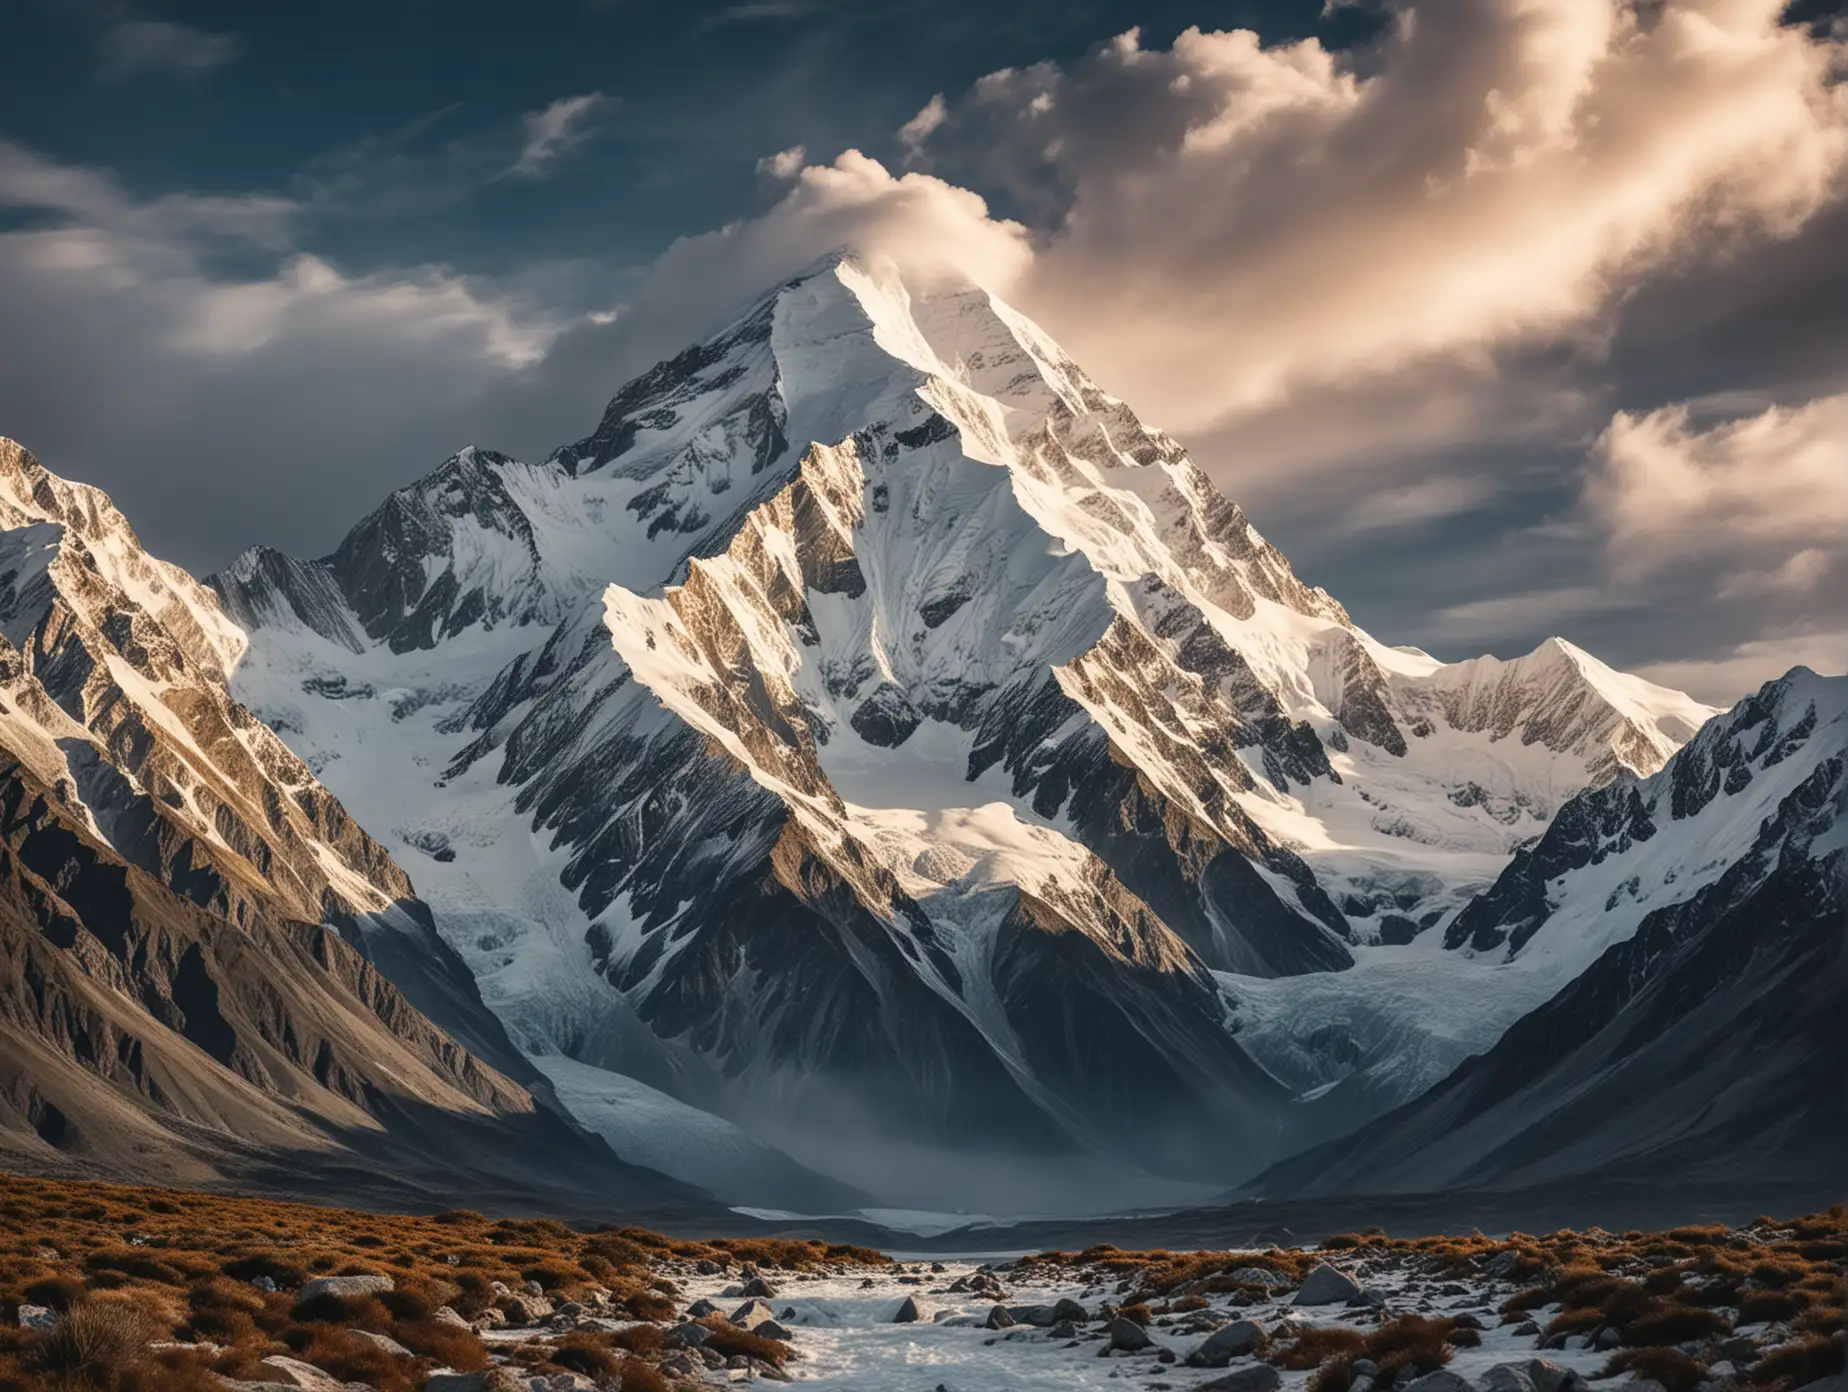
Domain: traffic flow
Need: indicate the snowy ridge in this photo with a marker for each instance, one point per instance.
(868, 653)
(1691, 925)
(119, 660)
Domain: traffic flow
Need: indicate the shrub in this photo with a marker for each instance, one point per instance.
(1411, 1341)
(1765, 1307)
(1673, 1324)
(1670, 1367)
(94, 1342)
(247, 1268)
(639, 1377)
(352, 1359)
(1799, 1363)
(730, 1341)
(59, 1292)
(1314, 1346)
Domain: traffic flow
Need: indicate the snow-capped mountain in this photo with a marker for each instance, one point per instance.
(875, 734)
(177, 891)
(1704, 911)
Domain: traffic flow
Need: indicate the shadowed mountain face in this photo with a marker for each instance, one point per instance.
(1707, 1046)
(875, 734)
(145, 1036)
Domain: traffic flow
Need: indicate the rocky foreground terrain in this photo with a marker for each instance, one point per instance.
(125, 1290)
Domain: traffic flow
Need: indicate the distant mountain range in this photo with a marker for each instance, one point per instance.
(873, 765)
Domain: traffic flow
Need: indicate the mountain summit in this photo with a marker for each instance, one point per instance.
(877, 735)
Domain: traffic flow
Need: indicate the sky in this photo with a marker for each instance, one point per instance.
(1503, 318)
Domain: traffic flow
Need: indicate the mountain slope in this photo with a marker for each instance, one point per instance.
(1705, 1040)
(177, 898)
(874, 733)
(145, 1037)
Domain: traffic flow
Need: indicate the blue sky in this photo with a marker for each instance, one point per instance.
(1503, 319)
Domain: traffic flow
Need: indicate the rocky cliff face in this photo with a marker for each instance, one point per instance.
(868, 688)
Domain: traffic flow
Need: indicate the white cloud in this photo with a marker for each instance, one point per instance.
(920, 127)
(553, 131)
(152, 45)
(1765, 494)
(1735, 671)
(1240, 226)
(926, 224)
(784, 164)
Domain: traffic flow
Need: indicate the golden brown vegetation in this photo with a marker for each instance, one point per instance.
(125, 1266)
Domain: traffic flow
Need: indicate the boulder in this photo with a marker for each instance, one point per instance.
(1068, 1309)
(1502, 1264)
(37, 1317)
(911, 1312)
(771, 1329)
(1327, 1286)
(1064, 1329)
(699, 1309)
(1225, 1343)
(1443, 1380)
(758, 1288)
(292, 1372)
(265, 1284)
(495, 1379)
(560, 1382)
(527, 1308)
(1506, 1377)
(1545, 1374)
(999, 1318)
(384, 1343)
(1258, 1377)
(446, 1316)
(1126, 1336)
(689, 1335)
(1259, 1276)
(346, 1287)
(751, 1314)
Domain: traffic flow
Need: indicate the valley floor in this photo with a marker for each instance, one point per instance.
(112, 1289)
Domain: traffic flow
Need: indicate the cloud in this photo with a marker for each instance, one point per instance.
(920, 127)
(930, 226)
(137, 46)
(784, 164)
(1544, 610)
(553, 131)
(1723, 679)
(1236, 225)
(200, 389)
(1762, 495)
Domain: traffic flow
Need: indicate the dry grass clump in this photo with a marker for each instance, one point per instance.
(1412, 1341)
(1316, 1346)
(1670, 1367)
(731, 1341)
(1159, 1273)
(1799, 1363)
